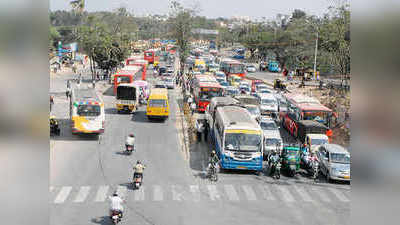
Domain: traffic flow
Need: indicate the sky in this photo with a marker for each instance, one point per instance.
(255, 9)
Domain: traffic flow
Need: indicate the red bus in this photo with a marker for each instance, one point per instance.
(138, 61)
(127, 75)
(152, 55)
(300, 108)
(233, 67)
(205, 87)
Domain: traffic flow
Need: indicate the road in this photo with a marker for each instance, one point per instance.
(85, 170)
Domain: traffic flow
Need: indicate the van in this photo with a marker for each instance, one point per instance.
(334, 162)
(157, 104)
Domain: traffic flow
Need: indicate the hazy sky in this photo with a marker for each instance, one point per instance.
(209, 8)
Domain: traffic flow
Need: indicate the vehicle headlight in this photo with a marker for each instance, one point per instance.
(334, 171)
(256, 154)
(228, 154)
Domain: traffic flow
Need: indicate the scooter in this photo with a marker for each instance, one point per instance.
(116, 217)
(137, 181)
(212, 172)
(129, 149)
(315, 167)
(277, 171)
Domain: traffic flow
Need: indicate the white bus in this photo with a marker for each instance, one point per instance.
(238, 139)
(86, 112)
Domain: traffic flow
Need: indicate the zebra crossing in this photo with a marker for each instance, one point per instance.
(197, 193)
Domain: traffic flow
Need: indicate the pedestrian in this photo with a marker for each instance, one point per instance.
(205, 130)
(97, 76)
(199, 129)
(193, 107)
(94, 83)
(68, 83)
(68, 92)
(51, 102)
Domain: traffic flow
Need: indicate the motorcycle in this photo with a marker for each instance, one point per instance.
(137, 181)
(315, 167)
(129, 149)
(276, 170)
(116, 217)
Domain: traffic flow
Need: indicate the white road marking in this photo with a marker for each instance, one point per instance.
(139, 194)
(195, 190)
(157, 193)
(286, 196)
(63, 195)
(177, 194)
(321, 194)
(121, 190)
(82, 194)
(231, 193)
(266, 192)
(303, 193)
(340, 195)
(250, 195)
(101, 194)
(213, 192)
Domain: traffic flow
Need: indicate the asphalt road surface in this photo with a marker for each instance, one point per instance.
(85, 170)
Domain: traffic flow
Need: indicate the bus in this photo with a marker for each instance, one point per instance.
(138, 62)
(157, 104)
(152, 56)
(86, 112)
(205, 87)
(273, 66)
(233, 67)
(301, 108)
(238, 139)
(127, 75)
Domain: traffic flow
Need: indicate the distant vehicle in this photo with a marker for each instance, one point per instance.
(263, 66)
(260, 86)
(213, 67)
(224, 84)
(231, 91)
(169, 82)
(251, 68)
(269, 105)
(254, 111)
(160, 85)
(254, 83)
(234, 80)
(233, 67)
(214, 103)
(220, 74)
(272, 136)
(127, 98)
(238, 56)
(205, 87)
(157, 105)
(152, 56)
(162, 70)
(245, 89)
(334, 162)
(273, 66)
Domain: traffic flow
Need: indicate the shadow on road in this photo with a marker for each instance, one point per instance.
(66, 133)
(103, 220)
(140, 117)
(109, 91)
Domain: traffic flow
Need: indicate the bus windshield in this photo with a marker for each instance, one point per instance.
(207, 95)
(123, 79)
(88, 110)
(238, 68)
(242, 142)
(319, 116)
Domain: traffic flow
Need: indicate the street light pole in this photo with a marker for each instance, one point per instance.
(315, 56)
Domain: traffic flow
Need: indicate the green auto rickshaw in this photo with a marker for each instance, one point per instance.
(291, 159)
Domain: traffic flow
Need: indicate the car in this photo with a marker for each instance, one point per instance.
(220, 74)
(162, 70)
(282, 104)
(251, 69)
(269, 104)
(224, 84)
(254, 111)
(238, 56)
(245, 89)
(272, 136)
(169, 82)
(334, 162)
(160, 85)
(219, 79)
(231, 91)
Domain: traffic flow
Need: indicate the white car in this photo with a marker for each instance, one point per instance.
(254, 111)
(268, 104)
(272, 135)
(169, 82)
(251, 69)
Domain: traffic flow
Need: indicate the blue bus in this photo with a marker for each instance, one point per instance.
(238, 139)
(273, 66)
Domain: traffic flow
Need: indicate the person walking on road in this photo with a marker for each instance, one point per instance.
(51, 102)
(205, 130)
(94, 83)
(68, 92)
(199, 129)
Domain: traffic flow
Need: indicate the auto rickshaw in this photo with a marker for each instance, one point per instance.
(278, 84)
(54, 128)
(291, 159)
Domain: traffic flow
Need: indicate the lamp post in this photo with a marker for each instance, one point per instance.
(315, 56)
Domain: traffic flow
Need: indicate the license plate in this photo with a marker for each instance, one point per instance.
(115, 217)
(241, 167)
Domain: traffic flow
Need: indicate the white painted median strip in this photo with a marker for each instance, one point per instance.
(231, 193)
(339, 195)
(250, 195)
(101, 194)
(82, 194)
(195, 190)
(213, 192)
(63, 195)
(157, 193)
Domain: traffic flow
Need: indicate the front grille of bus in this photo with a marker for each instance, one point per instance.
(242, 156)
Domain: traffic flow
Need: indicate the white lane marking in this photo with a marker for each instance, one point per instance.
(121, 190)
(177, 194)
(303, 193)
(231, 193)
(340, 195)
(157, 193)
(195, 190)
(82, 194)
(286, 196)
(139, 194)
(266, 193)
(213, 192)
(248, 191)
(51, 188)
(63, 195)
(101, 194)
(321, 194)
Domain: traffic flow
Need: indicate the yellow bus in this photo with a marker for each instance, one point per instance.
(157, 104)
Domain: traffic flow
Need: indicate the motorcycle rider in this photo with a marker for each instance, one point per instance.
(213, 160)
(116, 204)
(273, 160)
(138, 170)
(130, 141)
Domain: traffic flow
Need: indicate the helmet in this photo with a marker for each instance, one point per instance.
(138, 162)
(213, 152)
(131, 135)
(115, 193)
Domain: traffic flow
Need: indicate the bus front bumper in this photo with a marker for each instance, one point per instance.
(245, 165)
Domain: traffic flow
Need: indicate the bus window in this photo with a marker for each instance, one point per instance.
(242, 142)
